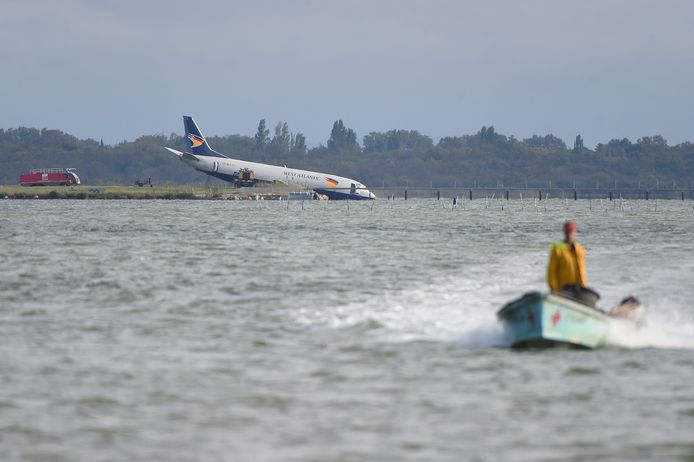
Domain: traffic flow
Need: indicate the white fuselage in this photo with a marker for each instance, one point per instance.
(324, 183)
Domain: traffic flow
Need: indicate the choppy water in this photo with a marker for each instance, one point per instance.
(177, 331)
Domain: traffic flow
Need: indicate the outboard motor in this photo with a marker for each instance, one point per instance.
(581, 294)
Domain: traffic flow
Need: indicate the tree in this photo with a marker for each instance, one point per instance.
(452, 143)
(549, 142)
(487, 133)
(615, 148)
(299, 143)
(282, 141)
(261, 136)
(656, 140)
(393, 140)
(342, 138)
(578, 144)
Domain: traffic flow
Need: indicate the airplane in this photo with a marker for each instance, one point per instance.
(210, 162)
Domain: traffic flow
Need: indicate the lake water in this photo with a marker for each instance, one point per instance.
(275, 331)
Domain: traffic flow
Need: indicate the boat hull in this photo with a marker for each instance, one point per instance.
(545, 320)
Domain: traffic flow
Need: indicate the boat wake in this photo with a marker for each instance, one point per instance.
(452, 310)
(659, 329)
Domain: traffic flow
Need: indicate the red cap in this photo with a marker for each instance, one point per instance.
(570, 226)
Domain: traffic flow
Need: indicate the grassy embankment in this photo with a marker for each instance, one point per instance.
(134, 192)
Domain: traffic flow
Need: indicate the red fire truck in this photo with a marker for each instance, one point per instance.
(49, 177)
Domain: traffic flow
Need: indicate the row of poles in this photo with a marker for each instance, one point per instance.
(539, 194)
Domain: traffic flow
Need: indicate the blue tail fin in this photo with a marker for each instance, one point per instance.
(196, 141)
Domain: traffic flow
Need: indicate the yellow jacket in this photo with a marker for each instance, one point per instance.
(566, 266)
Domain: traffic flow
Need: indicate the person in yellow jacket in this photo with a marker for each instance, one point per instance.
(567, 261)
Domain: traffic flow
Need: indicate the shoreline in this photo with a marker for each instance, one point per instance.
(119, 192)
(281, 192)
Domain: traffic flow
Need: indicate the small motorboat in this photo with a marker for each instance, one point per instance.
(538, 320)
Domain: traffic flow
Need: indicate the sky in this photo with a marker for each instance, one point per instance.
(119, 69)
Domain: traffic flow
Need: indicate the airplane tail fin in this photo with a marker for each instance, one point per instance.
(196, 141)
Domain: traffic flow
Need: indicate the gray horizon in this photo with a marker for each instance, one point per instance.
(115, 70)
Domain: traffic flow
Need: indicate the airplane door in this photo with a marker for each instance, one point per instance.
(215, 166)
(353, 189)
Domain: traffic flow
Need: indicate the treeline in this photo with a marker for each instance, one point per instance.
(392, 158)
